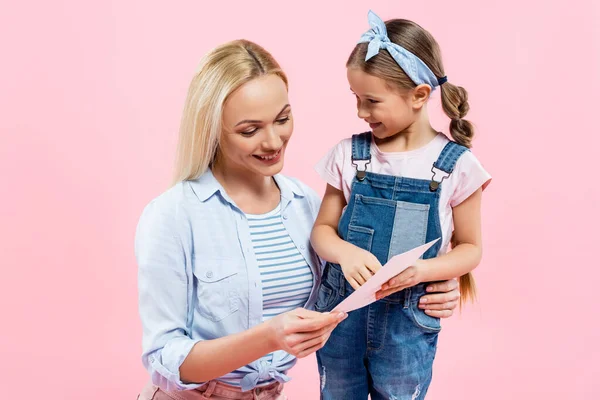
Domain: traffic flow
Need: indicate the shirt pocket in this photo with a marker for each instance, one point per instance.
(216, 287)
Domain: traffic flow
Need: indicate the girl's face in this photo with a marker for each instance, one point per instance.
(257, 125)
(387, 110)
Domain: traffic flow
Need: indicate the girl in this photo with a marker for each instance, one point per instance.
(389, 190)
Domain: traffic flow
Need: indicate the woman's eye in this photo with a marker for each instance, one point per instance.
(282, 121)
(249, 133)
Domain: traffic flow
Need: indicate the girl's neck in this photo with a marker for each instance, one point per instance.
(417, 135)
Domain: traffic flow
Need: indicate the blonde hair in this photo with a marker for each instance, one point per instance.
(455, 102)
(220, 73)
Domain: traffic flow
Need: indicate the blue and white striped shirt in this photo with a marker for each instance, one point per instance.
(286, 278)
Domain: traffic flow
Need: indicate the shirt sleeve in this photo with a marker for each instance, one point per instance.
(330, 166)
(468, 176)
(163, 289)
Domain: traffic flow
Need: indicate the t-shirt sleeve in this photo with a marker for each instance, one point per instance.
(330, 167)
(468, 176)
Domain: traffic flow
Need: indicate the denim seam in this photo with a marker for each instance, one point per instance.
(378, 201)
(416, 321)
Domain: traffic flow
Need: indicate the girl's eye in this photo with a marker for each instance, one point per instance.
(283, 120)
(373, 101)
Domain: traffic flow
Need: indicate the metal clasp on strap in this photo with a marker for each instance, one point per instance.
(361, 173)
(434, 185)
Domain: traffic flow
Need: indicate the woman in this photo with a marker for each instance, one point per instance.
(227, 276)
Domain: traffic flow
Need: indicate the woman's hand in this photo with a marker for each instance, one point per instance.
(301, 332)
(442, 300)
(442, 297)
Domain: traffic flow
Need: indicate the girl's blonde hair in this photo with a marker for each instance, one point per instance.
(220, 73)
(455, 103)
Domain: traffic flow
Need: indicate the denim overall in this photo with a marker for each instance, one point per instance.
(387, 348)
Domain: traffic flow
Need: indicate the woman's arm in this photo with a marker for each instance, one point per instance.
(299, 332)
(174, 360)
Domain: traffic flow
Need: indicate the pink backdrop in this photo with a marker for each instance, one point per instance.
(90, 100)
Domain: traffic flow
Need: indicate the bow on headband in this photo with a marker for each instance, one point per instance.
(412, 65)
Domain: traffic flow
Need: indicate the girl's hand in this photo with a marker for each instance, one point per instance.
(358, 265)
(301, 332)
(410, 277)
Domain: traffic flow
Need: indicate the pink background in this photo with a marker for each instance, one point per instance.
(90, 100)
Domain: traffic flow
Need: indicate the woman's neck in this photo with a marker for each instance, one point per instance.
(252, 193)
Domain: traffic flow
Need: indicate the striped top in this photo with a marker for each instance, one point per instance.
(286, 279)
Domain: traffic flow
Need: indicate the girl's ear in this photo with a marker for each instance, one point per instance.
(420, 95)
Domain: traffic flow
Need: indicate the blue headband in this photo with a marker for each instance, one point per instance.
(378, 39)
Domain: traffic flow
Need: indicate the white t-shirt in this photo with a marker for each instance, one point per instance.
(337, 170)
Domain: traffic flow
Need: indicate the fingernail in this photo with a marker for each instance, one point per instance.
(392, 283)
(429, 289)
(423, 300)
(342, 316)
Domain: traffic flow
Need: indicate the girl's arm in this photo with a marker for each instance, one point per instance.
(357, 264)
(463, 258)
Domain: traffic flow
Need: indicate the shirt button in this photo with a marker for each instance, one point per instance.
(285, 216)
(209, 274)
(302, 247)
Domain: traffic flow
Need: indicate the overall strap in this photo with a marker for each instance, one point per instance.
(361, 153)
(446, 162)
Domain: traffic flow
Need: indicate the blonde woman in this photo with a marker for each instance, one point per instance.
(227, 275)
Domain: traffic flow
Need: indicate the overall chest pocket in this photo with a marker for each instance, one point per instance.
(216, 287)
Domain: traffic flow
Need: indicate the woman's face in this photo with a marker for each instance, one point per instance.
(257, 125)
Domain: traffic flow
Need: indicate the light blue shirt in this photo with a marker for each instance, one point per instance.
(198, 276)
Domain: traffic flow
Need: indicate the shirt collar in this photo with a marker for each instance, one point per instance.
(206, 185)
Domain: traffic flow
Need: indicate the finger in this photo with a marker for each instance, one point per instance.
(437, 298)
(401, 279)
(385, 293)
(355, 285)
(451, 305)
(307, 344)
(304, 313)
(310, 314)
(439, 314)
(312, 349)
(317, 322)
(359, 278)
(446, 286)
(374, 265)
(365, 273)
